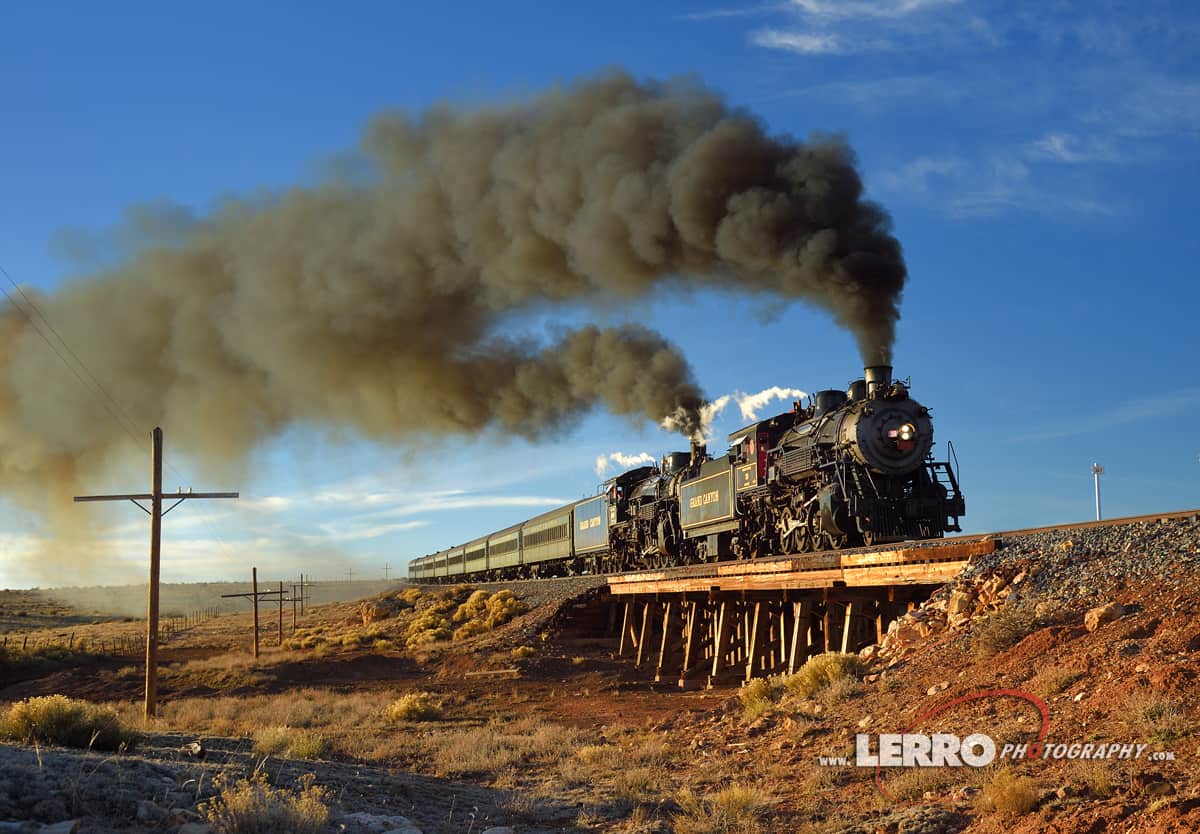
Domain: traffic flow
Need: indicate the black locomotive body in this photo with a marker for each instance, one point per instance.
(852, 468)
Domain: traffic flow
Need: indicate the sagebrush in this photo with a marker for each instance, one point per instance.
(57, 719)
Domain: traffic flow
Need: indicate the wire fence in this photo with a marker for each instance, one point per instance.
(115, 645)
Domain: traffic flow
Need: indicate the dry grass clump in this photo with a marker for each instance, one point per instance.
(912, 783)
(1008, 794)
(252, 806)
(522, 652)
(1057, 681)
(759, 697)
(492, 749)
(1005, 629)
(736, 809)
(822, 672)
(1155, 717)
(1097, 777)
(57, 719)
(415, 706)
(292, 742)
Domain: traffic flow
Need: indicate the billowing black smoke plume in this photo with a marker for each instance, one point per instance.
(385, 308)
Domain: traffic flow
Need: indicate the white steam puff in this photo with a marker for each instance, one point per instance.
(751, 404)
(622, 460)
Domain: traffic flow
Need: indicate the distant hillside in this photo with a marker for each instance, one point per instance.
(181, 598)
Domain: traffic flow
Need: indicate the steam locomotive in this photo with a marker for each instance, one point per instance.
(851, 468)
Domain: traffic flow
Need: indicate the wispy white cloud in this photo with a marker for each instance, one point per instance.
(875, 95)
(417, 504)
(922, 174)
(1000, 183)
(803, 43)
(733, 11)
(356, 530)
(888, 9)
(1070, 149)
(266, 504)
(1161, 406)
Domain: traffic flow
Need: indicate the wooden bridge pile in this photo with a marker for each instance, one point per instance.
(706, 623)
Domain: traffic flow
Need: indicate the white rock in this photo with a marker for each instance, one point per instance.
(384, 823)
(65, 827)
(498, 829)
(194, 828)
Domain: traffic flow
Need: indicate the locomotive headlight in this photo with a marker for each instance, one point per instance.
(907, 431)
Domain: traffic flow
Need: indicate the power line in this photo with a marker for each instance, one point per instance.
(120, 415)
(120, 412)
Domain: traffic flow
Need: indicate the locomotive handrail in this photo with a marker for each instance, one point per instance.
(954, 456)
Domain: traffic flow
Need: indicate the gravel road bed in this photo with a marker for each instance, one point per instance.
(1087, 563)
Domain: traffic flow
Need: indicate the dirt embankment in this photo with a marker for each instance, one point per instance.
(545, 730)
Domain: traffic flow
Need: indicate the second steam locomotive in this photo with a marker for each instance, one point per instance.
(852, 468)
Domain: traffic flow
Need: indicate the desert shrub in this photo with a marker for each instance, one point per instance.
(57, 719)
(1005, 629)
(473, 608)
(411, 596)
(823, 671)
(482, 612)
(427, 627)
(382, 644)
(736, 809)
(415, 706)
(470, 629)
(252, 806)
(759, 696)
(1008, 794)
(522, 652)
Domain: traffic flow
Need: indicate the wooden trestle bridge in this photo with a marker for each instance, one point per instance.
(725, 621)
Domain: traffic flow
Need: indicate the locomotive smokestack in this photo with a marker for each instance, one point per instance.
(699, 451)
(878, 378)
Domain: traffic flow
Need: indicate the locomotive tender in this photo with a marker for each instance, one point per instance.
(852, 468)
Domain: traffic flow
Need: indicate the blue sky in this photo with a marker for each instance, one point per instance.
(1039, 161)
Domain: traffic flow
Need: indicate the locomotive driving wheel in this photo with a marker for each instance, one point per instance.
(794, 533)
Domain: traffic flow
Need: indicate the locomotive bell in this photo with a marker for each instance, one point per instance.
(878, 377)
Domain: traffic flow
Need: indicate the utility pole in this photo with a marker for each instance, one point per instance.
(156, 513)
(1097, 471)
(254, 595)
(386, 567)
(349, 574)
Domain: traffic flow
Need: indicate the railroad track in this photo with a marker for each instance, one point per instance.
(930, 551)
(951, 548)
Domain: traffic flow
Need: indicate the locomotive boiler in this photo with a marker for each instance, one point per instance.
(850, 468)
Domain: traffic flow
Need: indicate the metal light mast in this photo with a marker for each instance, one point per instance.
(1097, 471)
